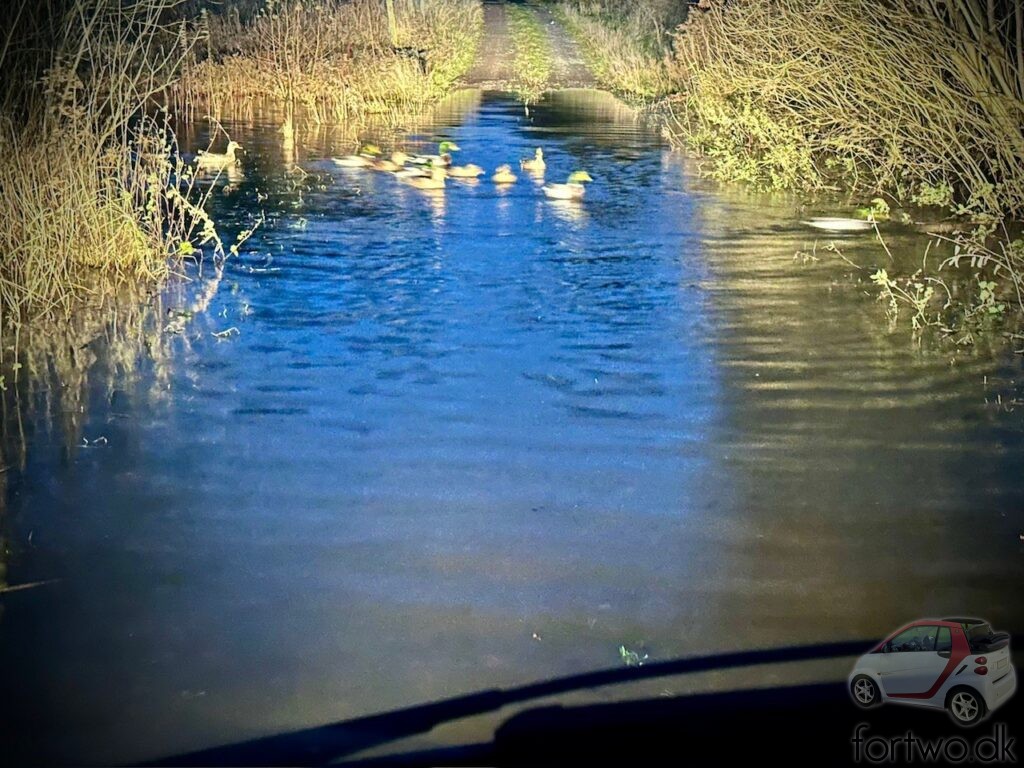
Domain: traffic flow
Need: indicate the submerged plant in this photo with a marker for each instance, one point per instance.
(996, 271)
(912, 292)
(987, 302)
(631, 658)
(878, 210)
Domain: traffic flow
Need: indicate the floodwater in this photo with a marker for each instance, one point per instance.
(478, 439)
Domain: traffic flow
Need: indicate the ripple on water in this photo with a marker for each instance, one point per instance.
(450, 423)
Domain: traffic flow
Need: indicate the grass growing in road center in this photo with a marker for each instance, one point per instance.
(533, 57)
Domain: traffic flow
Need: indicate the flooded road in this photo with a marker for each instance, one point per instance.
(477, 439)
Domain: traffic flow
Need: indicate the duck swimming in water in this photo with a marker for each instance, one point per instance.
(503, 175)
(393, 164)
(468, 171)
(436, 180)
(364, 159)
(536, 163)
(411, 173)
(443, 158)
(573, 189)
(218, 160)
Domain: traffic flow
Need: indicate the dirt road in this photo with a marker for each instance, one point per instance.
(494, 68)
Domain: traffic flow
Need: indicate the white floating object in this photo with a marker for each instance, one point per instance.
(351, 161)
(839, 224)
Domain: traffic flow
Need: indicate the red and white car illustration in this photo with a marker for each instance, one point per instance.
(955, 664)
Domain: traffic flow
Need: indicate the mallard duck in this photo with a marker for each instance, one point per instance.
(396, 162)
(210, 160)
(503, 175)
(573, 188)
(443, 157)
(535, 163)
(436, 180)
(468, 171)
(364, 159)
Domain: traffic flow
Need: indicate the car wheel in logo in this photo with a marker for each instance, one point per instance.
(865, 692)
(965, 707)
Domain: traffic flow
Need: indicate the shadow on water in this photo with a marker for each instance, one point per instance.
(464, 440)
(316, 746)
(811, 724)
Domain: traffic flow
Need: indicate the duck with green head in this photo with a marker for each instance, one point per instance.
(572, 189)
(442, 159)
(366, 157)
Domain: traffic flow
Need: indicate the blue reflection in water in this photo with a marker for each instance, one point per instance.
(477, 439)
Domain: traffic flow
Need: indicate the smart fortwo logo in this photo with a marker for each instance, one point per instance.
(956, 664)
(960, 665)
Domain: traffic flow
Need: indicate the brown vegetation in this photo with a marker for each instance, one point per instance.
(91, 184)
(333, 59)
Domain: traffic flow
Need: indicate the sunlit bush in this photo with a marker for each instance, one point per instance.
(913, 97)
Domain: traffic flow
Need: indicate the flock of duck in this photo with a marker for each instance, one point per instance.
(433, 171)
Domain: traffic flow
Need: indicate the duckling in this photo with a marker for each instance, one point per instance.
(443, 157)
(468, 171)
(436, 180)
(503, 175)
(395, 163)
(364, 159)
(573, 189)
(535, 163)
(217, 160)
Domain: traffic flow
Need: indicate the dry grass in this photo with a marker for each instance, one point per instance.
(334, 59)
(90, 184)
(909, 97)
(624, 50)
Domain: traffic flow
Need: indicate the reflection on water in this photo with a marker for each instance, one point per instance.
(569, 211)
(474, 438)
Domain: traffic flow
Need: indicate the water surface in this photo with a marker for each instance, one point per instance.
(478, 439)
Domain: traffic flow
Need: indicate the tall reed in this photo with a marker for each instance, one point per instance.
(90, 183)
(334, 59)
